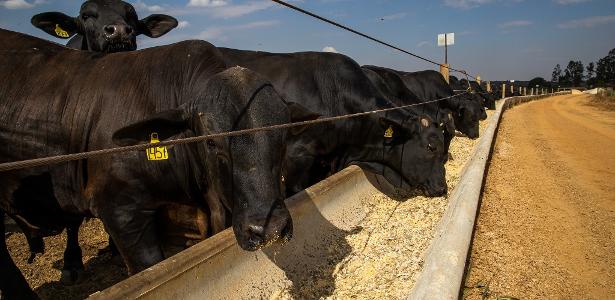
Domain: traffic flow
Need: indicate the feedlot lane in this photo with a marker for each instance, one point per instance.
(546, 226)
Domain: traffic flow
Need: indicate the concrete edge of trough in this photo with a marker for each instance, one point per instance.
(157, 281)
(445, 260)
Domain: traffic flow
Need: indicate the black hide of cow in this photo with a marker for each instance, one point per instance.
(390, 85)
(331, 85)
(488, 100)
(103, 26)
(430, 85)
(56, 101)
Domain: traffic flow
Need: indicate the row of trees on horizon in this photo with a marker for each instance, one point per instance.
(599, 74)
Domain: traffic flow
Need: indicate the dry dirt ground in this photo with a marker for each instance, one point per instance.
(43, 274)
(546, 227)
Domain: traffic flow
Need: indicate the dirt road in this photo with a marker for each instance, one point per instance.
(546, 227)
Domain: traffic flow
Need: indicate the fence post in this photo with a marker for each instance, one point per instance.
(445, 72)
(503, 90)
(488, 86)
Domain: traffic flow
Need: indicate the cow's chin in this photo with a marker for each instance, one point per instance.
(389, 181)
(119, 46)
(472, 134)
(250, 241)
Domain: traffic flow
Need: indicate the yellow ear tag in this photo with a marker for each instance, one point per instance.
(156, 153)
(389, 132)
(61, 32)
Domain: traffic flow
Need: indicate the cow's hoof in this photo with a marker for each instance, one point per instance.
(110, 250)
(104, 251)
(71, 277)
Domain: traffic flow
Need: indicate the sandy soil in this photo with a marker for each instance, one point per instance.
(546, 227)
(43, 274)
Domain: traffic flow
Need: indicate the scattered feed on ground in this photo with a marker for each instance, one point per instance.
(386, 254)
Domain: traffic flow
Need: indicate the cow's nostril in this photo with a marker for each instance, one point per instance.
(109, 29)
(257, 230)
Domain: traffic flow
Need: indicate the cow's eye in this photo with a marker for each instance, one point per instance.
(431, 148)
(88, 16)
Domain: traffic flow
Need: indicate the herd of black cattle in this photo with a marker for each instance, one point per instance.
(99, 93)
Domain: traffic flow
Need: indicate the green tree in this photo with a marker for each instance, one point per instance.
(590, 79)
(557, 74)
(605, 69)
(574, 73)
(538, 81)
(591, 70)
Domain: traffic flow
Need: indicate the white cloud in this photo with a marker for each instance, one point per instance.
(515, 23)
(329, 49)
(223, 9)
(587, 22)
(392, 17)
(182, 24)
(423, 44)
(233, 11)
(219, 33)
(18, 4)
(465, 3)
(140, 5)
(566, 2)
(207, 3)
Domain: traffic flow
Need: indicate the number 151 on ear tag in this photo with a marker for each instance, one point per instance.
(156, 153)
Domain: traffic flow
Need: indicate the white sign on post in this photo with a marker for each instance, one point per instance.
(449, 38)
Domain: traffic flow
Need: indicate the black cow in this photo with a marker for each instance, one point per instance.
(103, 26)
(54, 101)
(403, 146)
(430, 85)
(487, 98)
(390, 85)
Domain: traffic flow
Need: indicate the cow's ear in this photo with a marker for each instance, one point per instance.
(157, 25)
(165, 124)
(299, 113)
(56, 24)
(447, 121)
(390, 128)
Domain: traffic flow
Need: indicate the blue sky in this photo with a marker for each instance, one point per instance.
(498, 39)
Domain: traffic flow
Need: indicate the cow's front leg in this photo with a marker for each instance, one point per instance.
(12, 283)
(109, 249)
(73, 268)
(134, 233)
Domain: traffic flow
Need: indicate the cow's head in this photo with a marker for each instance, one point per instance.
(104, 25)
(412, 154)
(244, 172)
(468, 114)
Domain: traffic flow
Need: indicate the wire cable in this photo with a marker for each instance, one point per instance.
(301, 10)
